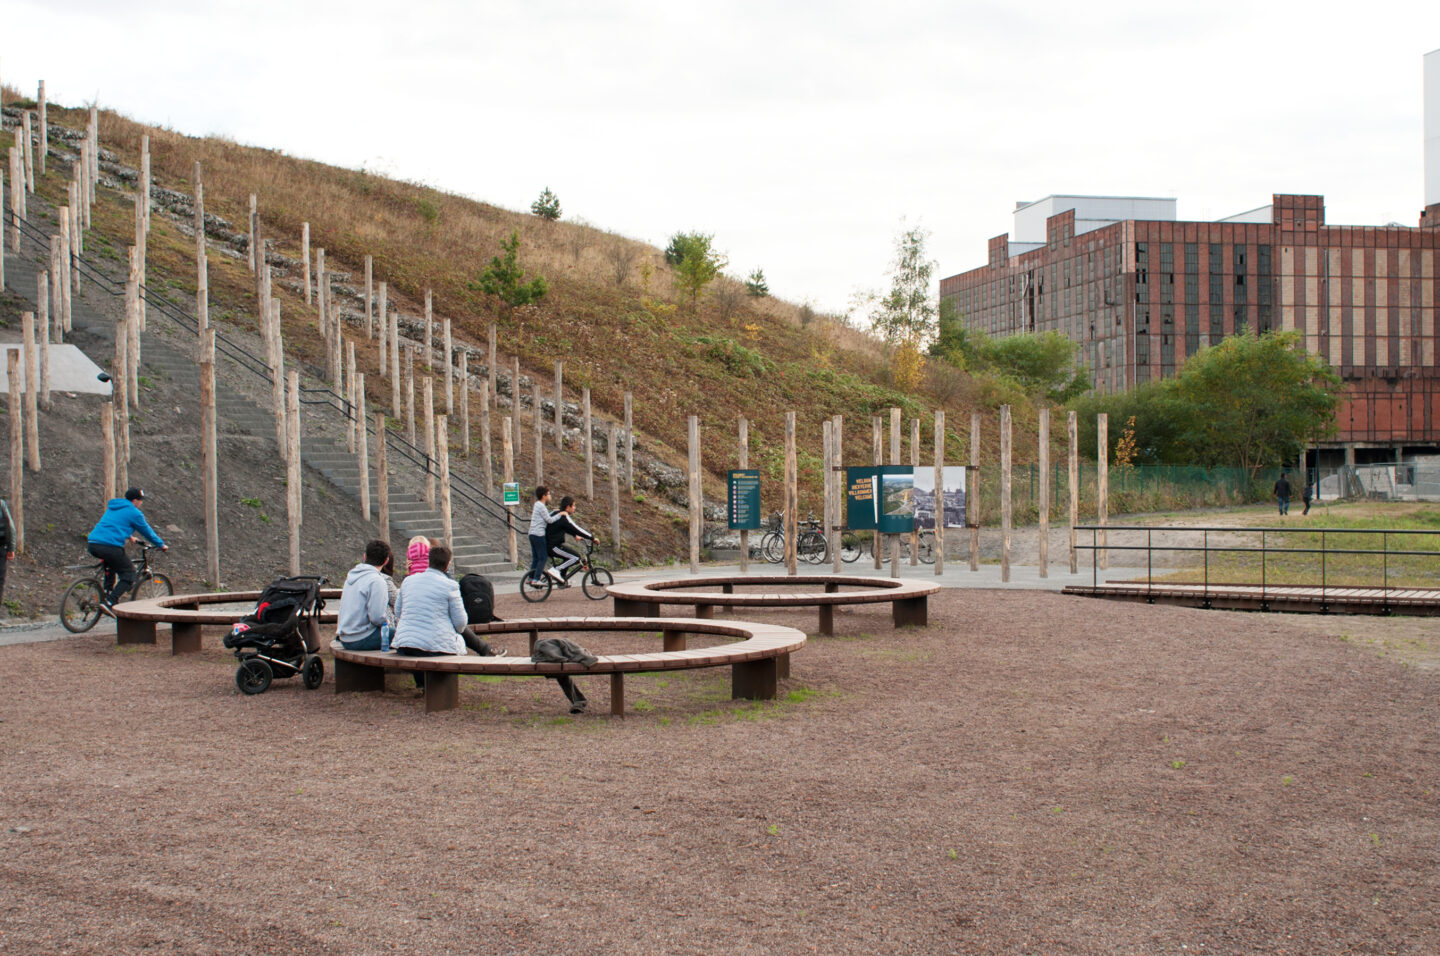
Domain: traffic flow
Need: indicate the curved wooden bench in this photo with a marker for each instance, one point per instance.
(135, 620)
(756, 662)
(909, 599)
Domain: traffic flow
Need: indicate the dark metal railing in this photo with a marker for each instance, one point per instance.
(1265, 549)
(322, 396)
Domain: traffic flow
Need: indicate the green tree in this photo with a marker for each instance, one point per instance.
(756, 285)
(695, 262)
(1256, 400)
(907, 313)
(1042, 364)
(504, 279)
(547, 206)
(953, 342)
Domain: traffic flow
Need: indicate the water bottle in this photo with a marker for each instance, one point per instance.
(385, 631)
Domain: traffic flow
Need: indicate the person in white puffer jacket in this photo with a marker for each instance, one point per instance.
(430, 613)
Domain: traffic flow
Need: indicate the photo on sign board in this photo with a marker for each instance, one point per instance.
(897, 494)
(954, 496)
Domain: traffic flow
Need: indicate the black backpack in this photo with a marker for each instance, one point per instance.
(478, 596)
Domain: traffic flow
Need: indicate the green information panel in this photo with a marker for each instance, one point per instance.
(860, 498)
(745, 500)
(512, 492)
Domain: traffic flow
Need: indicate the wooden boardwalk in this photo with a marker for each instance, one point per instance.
(1290, 598)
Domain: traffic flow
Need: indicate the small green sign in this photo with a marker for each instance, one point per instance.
(745, 500)
(512, 493)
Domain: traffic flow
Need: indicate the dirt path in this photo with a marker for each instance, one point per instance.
(1032, 773)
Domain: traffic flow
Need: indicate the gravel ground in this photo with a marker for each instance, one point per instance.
(1030, 774)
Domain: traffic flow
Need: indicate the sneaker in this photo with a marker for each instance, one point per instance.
(498, 652)
(106, 609)
(555, 575)
(578, 707)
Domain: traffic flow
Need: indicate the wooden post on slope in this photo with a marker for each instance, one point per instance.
(1005, 489)
(409, 393)
(939, 491)
(382, 477)
(351, 417)
(56, 298)
(145, 179)
(3, 230)
(559, 406)
(588, 444)
(539, 420)
(17, 190)
(209, 467)
(252, 259)
(826, 502)
(429, 340)
(877, 543)
(743, 462)
(629, 443)
(132, 329)
(696, 501)
(464, 401)
(449, 369)
(430, 468)
(394, 360)
(305, 255)
(64, 298)
(972, 492)
(442, 443)
(507, 458)
(202, 277)
(792, 499)
(322, 310)
(914, 463)
(17, 449)
(362, 444)
(1102, 488)
(44, 126)
(107, 437)
(383, 313)
(293, 487)
(1044, 519)
(28, 153)
(32, 390)
(487, 466)
(119, 382)
(42, 330)
(1071, 433)
(613, 449)
(515, 405)
(142, 228)
(369, 298)
(277, 380)
(490, 365)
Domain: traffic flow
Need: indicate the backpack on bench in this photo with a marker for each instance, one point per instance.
(478, 596)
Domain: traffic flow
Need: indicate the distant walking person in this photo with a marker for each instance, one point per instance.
(1307, 495)
(1282, 493)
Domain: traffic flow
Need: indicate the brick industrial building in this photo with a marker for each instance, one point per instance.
(1139, 291)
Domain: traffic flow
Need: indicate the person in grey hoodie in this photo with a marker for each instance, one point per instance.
(365, 601)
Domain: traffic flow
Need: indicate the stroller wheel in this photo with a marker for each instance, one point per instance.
(312, 675)
(253, 676)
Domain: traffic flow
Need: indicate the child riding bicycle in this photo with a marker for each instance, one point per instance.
(562, 523)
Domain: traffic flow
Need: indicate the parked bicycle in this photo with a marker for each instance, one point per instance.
(594, 579)
(810, 543)
(80, 607)
(925, 543)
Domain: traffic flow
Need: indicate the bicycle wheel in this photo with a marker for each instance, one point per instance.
(80, 607)
(851, 547)
(156, 586)
(774, 548)
(926, 551)
(813, 547)
(597, 579)
(535, 593)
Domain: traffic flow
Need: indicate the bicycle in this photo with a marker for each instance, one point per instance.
(772, 543)
(80, 606)
(810, 543)
(594, 579)
(925, 543)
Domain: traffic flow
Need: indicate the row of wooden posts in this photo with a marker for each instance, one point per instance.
(833, 493)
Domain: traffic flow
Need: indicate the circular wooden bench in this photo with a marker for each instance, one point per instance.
(909, 599)
(758, 659)
(187, 615)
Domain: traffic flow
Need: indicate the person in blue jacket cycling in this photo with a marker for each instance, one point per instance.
(122, 519)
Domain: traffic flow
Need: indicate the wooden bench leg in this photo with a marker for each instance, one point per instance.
(617, 695)
(131, 631)
(185, 638)
(827, 619)
(673, 640)
(704, 612)
(354, 678)
(911, 612)
(727, 589)
(782, 667)
(831, 587)
(442, 691)
(755, 680)
(625, 607)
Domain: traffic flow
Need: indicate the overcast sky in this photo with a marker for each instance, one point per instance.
(804, 136)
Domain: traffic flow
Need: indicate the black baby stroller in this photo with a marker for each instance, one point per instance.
(275, 639)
